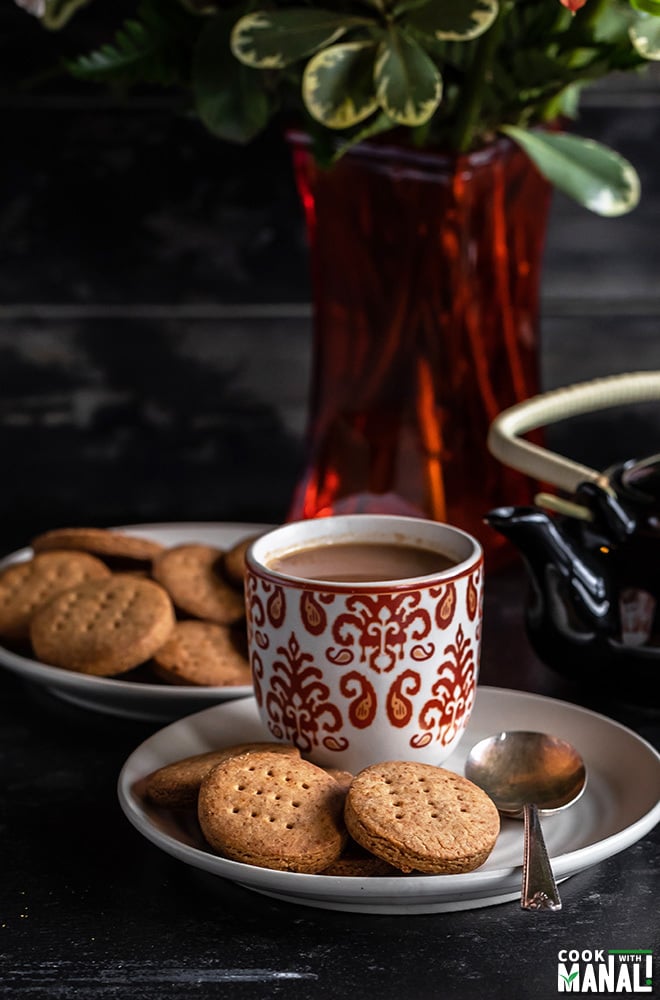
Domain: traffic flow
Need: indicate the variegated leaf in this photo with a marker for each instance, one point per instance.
(274, 39)
(58, 12)
(338, 84)
(454, 20)
(645, 36)
(408, 83)
(587, 171)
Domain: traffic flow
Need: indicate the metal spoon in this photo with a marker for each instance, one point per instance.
(526, 774)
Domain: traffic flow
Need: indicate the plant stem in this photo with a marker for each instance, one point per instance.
(470, 105)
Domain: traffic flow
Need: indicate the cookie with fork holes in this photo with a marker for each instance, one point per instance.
(193, 577)
(419, 817)
(27, 586)
(273, 811)
(103, 627)
(203, 654)
(176, 785)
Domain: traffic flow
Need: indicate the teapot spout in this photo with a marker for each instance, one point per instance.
(518, 521)
(558, 565)
(534, 533)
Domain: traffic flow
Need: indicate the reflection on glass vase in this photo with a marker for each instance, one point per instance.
(426, 277)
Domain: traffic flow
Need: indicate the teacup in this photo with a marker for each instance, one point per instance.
(357, 671)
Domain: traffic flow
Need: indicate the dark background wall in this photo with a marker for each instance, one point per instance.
(154, 300)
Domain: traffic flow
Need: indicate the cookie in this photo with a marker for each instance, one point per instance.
(27, 586)
(343, 778)
(274, 811)
(204, 655)
(192, 576)
(103, 627)
(355, 862)
(233, 562)
(176, 785)
(421, 818)
(99, 542)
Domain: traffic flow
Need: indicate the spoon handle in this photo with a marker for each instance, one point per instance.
(539, 889)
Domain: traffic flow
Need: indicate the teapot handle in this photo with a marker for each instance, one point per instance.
(505, 443)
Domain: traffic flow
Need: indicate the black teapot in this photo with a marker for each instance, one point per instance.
(592, 554)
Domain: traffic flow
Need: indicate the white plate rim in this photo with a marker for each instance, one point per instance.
(412, 894)
(127, 697)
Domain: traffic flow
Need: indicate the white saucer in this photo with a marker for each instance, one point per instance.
(619, 806)
(131, 699)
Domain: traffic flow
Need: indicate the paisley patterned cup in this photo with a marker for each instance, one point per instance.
(356, 673)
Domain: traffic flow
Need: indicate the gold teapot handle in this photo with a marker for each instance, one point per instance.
(504, 436)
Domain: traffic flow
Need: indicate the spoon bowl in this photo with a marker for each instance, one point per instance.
(517, 767)
(527, 774)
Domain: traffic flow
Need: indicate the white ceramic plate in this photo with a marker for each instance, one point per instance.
(619, 806)
(131, 699)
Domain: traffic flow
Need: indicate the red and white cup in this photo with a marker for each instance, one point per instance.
(357, 673)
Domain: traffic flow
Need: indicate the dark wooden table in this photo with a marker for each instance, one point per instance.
(89, 909)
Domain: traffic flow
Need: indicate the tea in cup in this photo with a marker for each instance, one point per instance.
(364, 636)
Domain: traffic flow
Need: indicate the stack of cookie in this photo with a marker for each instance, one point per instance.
(104, 603)
(262, 804)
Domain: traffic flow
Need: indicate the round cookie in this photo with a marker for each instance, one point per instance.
(192, 576)
(421, 818)
(343, 778)
(233, 562)
(27, 586)
(100, 542)
(103, 627)
(205, 655)
(176, 785)
(274, 811)
(355, 862)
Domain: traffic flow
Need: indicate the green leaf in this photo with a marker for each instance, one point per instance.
(274, 39)
(58, 12)
(611, 26)
(231, 99)
(587, 171)
(645, 36)
(647, 6)
(566, 104)
(338, 84)
(408, 83)
(151, 49)
(404, 6)
(453, 20)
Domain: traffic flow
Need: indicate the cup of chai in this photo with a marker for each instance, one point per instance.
(364, 636)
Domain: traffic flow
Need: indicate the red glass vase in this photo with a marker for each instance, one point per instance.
(426, 277)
